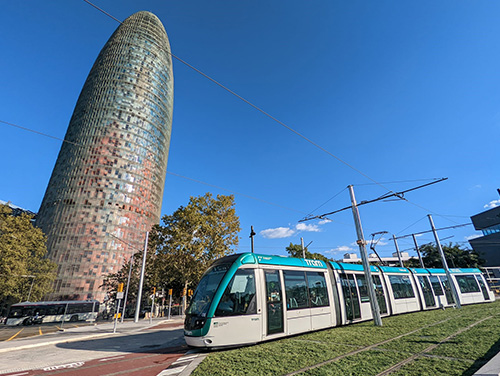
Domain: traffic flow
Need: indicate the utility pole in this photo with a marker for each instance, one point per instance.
(252, 234)
(141, 280)
(397, 251)
(418, 251)
(303, 249)
(128, 284)
(445, 265)
(364, 256)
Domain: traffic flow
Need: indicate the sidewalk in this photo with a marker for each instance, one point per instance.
(98, 330)
(492, 368)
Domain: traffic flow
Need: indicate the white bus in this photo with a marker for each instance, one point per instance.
(28, 313)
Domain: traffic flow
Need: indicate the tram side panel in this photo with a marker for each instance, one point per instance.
(470, 286)
(428, 299)
(402, 290)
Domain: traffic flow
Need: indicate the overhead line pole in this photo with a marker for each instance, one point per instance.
(141, 280)
(418, 251)
(383, 197)
(364, 257)
(397, 251)
(445, 264)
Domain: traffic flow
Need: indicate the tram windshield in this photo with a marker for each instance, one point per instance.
(205, 291)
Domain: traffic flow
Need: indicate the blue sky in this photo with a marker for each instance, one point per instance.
(401, 91)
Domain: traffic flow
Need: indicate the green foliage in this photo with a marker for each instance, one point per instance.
(456, 256)
(437, 342)
(295, 250)
(193, 237)
(23, 262)
(180, 250)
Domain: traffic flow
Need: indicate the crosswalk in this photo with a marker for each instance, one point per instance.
(181, 364)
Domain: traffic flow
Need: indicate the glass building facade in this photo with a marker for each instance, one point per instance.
(106, 188)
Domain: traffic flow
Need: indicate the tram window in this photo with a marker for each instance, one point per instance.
(317, 289)
(202, 298)
(467, 283)
(436, 286)
(296, 290)
(239, 297)
(363, 289)
(401, 286)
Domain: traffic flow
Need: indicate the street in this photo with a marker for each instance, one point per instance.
(136, 349)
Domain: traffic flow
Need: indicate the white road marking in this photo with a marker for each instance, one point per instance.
(113, 358)
(64, 366)
(172, 371)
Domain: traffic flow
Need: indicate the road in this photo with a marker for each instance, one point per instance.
(138, 349)
(17, 332)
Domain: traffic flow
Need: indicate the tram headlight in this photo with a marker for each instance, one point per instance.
(199, 323)
(194, 322)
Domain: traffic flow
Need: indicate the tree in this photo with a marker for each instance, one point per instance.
(193, 237)
(25, 270)
(456, 256)
(295, 250)
(180, 250)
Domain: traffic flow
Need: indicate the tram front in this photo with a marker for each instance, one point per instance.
(224, 304)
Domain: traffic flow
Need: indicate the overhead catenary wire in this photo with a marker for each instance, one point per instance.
(255, 107)
(169, 172)
(274, 118)
(234, 192)
(40, 133)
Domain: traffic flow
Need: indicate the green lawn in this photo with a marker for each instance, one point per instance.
(439, 342)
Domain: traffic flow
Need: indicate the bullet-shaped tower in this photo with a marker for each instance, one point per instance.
(108, 180)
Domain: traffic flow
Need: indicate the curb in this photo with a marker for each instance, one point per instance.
(185, 365)
(73, 338)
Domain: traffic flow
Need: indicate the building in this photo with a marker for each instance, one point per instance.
(372, 258)
(106, 188)
(488, 245)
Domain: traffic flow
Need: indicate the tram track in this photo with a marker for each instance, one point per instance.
(375, 345)
(430, 348)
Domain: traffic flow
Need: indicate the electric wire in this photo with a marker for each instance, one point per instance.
(326, 202)
(413, 224)
(275, 119)
(168, 172)
(234, 192)
(40, 133)
(256, 108)
(396, 182)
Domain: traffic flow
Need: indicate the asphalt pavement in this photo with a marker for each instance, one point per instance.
(87, 343)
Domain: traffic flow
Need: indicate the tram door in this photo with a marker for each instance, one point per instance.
(379, 292)
(447, 289)
(274, 302)
(429, 299)
(483, 287)
(351, 296)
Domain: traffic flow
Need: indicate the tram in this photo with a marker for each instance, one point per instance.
(248, 298)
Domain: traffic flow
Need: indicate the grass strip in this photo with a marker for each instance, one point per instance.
(403, 335)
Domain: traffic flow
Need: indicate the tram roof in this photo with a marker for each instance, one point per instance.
(348, 267)
(394, 269)
(252, 258)
(455, 271)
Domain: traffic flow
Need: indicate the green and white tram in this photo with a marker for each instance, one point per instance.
(249, 298)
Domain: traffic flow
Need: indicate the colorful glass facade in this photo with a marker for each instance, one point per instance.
(109, 176)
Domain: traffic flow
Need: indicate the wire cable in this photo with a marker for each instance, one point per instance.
(266, 113)
(40, 133)
(234, 192)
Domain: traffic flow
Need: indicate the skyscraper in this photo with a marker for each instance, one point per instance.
(108, 179)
